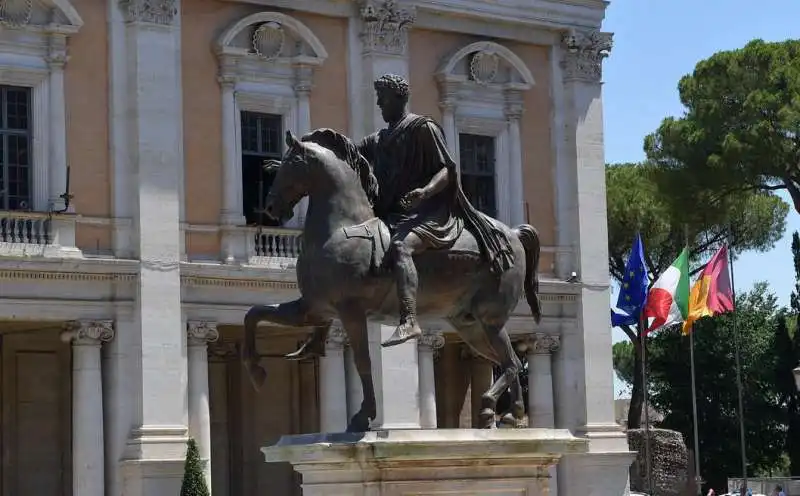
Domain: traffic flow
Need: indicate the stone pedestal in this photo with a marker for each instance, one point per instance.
(468, 462)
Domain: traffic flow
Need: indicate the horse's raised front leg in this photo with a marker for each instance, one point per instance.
(293, 314)
(354, 321)
(313, 346)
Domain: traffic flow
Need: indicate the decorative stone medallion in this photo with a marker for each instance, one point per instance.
(483, 67)
(15, 13)
(269, 39)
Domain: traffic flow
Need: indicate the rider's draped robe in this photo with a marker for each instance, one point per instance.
(407, 156)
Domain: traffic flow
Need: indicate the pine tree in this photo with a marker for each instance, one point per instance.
(194, 481)
(790, 358)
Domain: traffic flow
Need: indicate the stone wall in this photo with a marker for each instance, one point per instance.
(669, 462)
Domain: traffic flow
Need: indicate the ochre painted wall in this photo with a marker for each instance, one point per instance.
(428, 50)
(203, 22)
(86, 94)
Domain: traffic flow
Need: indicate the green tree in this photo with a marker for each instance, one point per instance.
(194, 481)
(787, 354)
(741, 128)
(638, 202)
(717, 395)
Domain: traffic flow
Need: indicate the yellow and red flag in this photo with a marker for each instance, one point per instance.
(711, 294)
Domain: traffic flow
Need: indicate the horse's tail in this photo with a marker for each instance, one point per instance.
(249, 355)
(529, 237)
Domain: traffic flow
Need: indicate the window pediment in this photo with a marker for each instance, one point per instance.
(40, 15)
(269, 42)
(486, 64)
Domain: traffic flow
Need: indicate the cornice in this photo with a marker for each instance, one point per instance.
(547, 15)
(202, 275)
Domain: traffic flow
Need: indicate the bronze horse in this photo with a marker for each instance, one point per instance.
(340, 272)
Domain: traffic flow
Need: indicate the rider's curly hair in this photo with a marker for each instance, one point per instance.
(394, 83)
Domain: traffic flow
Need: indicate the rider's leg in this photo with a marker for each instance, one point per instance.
(405, 273)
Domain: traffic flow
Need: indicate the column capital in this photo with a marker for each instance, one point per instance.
(337, 338)
(540, 344)
(161, 12)
(227, 81)
(584, 52)
(303, 79)
(200, 333)
(448, 92)
(431, 340)
(385, 26)
(88, 332)
(514, 106)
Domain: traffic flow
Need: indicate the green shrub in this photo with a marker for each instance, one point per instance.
(194, 481)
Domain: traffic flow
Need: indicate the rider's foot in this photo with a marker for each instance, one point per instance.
(311, 348)
(408, 329)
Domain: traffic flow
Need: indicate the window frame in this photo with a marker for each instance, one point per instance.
(5, 134)
(475, 173)
(261, 155)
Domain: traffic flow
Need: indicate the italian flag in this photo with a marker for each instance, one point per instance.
(668, 299)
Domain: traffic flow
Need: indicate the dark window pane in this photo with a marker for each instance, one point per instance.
(261, 140)
(477, 157)
(15, 148)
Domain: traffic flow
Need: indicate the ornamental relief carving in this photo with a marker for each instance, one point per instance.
(584, 53)
(153, 11)
(386, 26)
(15, 13)
(89, 332)
(201, 333)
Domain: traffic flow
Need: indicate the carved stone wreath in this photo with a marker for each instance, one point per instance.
(15, 13)
(483, 67)
(269, 39)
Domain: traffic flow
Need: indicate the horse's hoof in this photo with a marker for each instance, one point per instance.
(404, 332)
(258, 376)
(359, 423)
(487, 418)
(508, 421)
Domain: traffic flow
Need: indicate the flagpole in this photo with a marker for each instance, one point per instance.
(739, 385)
(647, 461)
(697, 476)
(695, 422)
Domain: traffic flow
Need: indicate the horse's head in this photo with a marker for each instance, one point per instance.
(323, 161)
(291, 182)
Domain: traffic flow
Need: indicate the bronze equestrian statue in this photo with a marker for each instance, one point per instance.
(391, 209)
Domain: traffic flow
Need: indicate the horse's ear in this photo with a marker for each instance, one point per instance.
(291, 141)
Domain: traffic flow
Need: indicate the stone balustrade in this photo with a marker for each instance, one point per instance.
(276, 247)
(37, 234)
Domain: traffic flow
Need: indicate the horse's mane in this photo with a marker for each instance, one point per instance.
(347, 151)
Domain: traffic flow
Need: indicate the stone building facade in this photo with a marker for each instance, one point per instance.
(131, 245)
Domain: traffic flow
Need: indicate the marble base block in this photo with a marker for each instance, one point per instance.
(468, 462)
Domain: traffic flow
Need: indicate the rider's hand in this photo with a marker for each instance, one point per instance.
(413, 198)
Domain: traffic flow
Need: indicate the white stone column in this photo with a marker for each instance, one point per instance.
(448, 91)
(157, 430)
(517, 201)
(56, 60)
(302, 89)
(427, 345)
(88, 459)
(333, 387)
(199, 334)
(583, 369)
(539, 348)
(232, 201)
(384, 26)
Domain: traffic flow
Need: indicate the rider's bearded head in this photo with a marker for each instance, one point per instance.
(392, 91)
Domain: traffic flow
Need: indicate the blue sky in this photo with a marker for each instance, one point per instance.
(655, 43)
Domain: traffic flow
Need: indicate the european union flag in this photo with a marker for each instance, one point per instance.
(633, 289)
